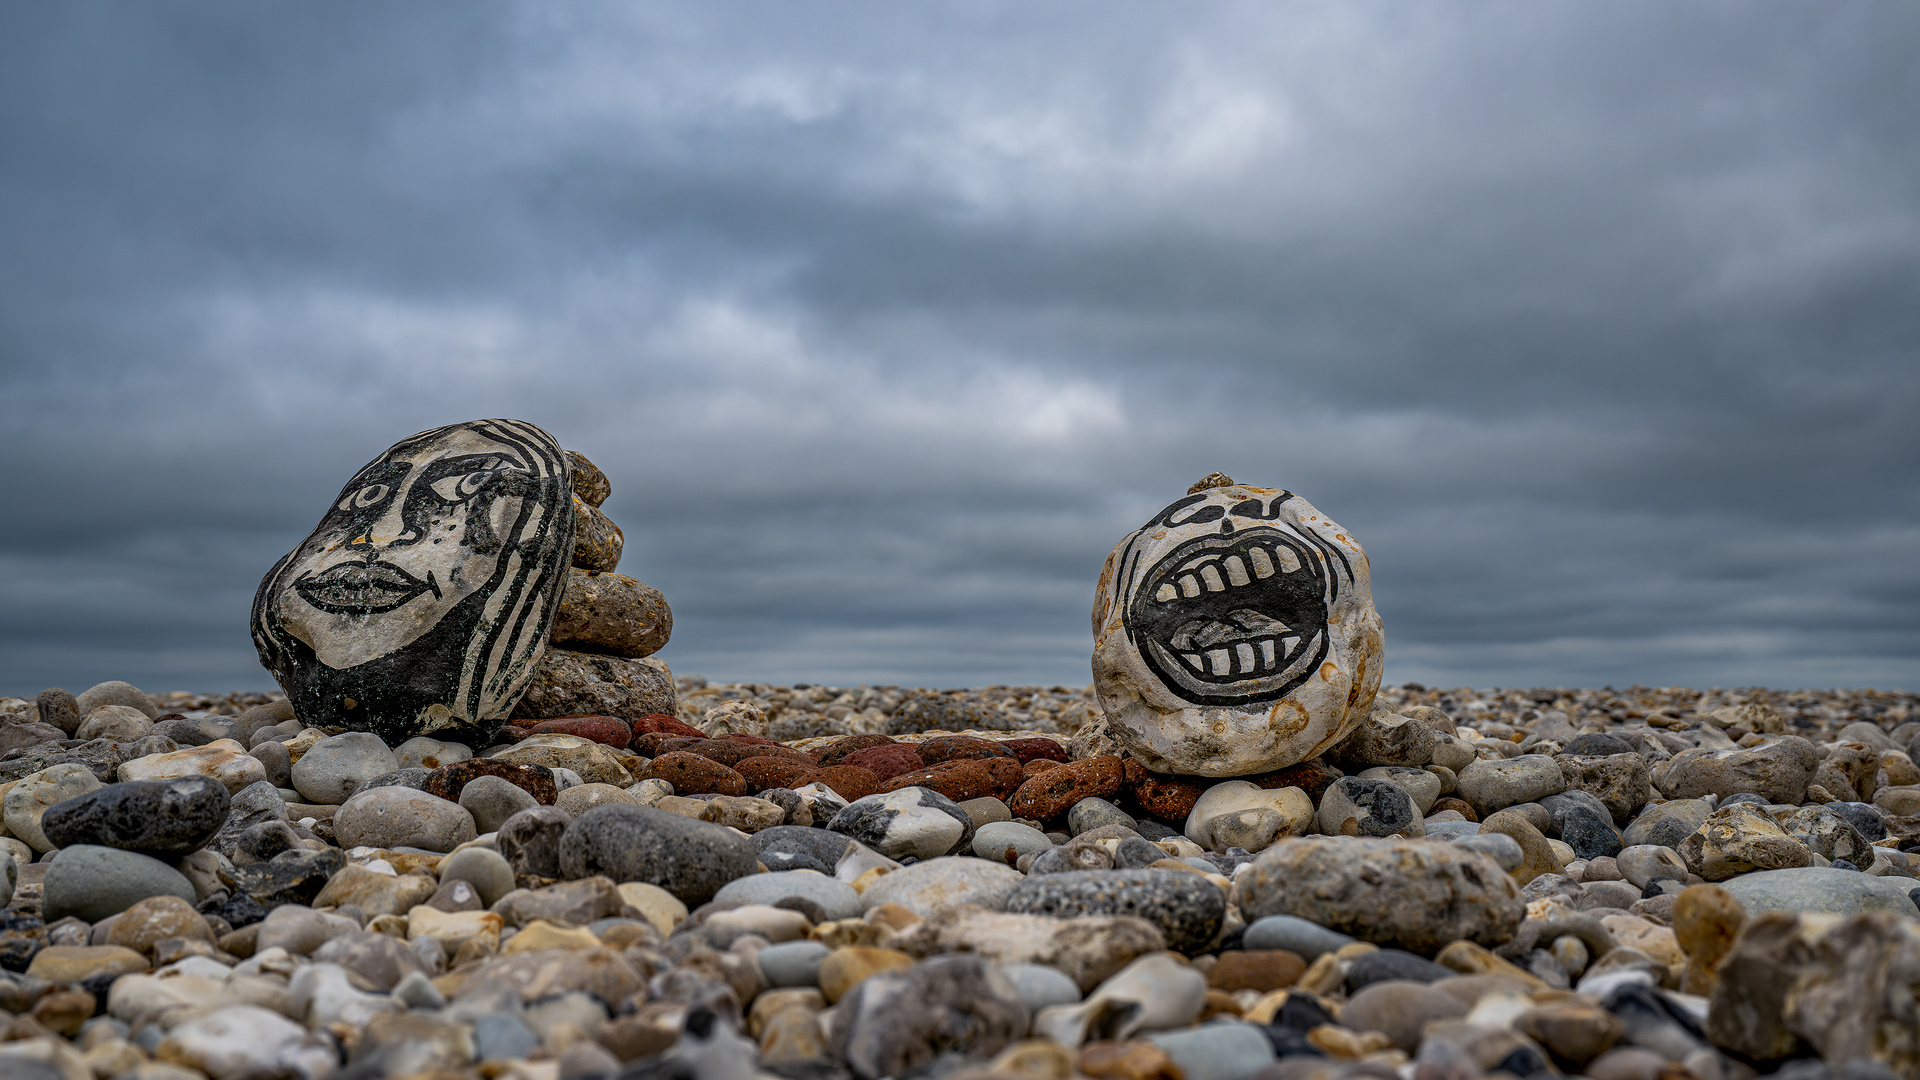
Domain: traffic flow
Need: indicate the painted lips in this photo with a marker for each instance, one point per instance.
(362, 588)
(1235, 613)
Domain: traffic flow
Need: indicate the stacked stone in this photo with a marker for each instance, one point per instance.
(600, 660)
(225, 893)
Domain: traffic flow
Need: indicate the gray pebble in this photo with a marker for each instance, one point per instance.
(1221, 1050)
(793, 963)
(690, 859)
(92, 882)
(1294, 934)
(1092, 813)
(1006, 841)
(277, 760)
(1135, 853)
(835, 898)
(115, 692)
(1186, 907)
(1040, 985)
(486, 870)
(492, 800)
(334, 768)
(59, 709)
(1502, 848)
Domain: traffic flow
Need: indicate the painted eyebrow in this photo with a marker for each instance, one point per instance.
(466, 463)
(386, 472)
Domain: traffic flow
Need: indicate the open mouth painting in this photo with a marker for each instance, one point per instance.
(1234, 632)
(1232, 618)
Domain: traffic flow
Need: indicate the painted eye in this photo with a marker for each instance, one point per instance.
(1201, 516)
(371, 495)
(461, 488)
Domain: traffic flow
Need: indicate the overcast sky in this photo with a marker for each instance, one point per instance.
(1597, 324)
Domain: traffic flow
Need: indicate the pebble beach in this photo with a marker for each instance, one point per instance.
(876, 881)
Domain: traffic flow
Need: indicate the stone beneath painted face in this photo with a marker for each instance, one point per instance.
(422, 602)
(1235, 633)
(569, 683)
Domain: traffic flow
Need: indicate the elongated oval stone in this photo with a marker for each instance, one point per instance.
(162, 818)
(423, 601)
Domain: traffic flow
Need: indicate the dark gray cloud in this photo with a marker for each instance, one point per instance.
(1599, 326)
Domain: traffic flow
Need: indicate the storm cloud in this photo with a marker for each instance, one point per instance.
(1598, 325)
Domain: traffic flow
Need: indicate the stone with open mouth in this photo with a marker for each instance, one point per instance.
(424, 600)
(1235, 633)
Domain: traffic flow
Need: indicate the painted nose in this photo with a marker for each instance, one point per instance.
(391, 526)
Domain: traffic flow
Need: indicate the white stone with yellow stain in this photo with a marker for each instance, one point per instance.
(222, 759)
(658, 906)
(453, 929)
(1651, 938)
(1235, 633)
(595, 762)
(1294, 808)
(541, 934)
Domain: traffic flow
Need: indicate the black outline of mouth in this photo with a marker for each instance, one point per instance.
(370, 589)
(1262, 664)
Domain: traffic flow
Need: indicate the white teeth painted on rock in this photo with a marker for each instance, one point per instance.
(1245, 642)
(1236, 571)
(1250, 656)
(1213, 573)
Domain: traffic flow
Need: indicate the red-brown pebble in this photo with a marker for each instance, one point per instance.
(661, 723)
(655, 743)
(447, 781)
(786, 753)
(886, 762)
(726, 753)
(1313, 777)
(959, 748)
(511, 734)
(607, 730)
(1036, 750)
(1164, 795)
(1053, 793)
(772, 772)
(691, 774)
(836, 751)
(1040, 765)
(1256, 969)
(1465, 808)
(850, 782)
(965, 779)
(745, 739)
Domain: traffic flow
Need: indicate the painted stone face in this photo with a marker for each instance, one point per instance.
(424, 598)
(1235, 633)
